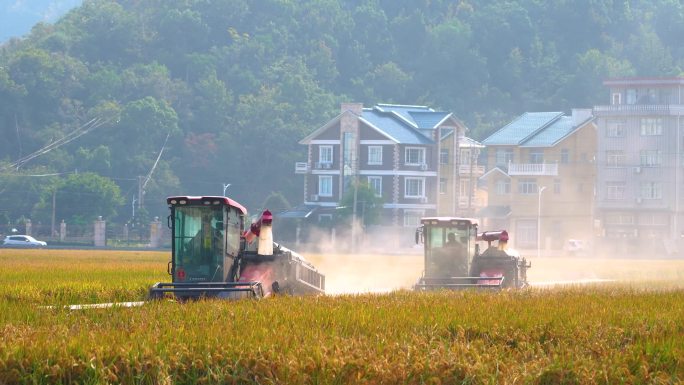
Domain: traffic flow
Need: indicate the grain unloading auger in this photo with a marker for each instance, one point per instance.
(214, 255)
(453, 259)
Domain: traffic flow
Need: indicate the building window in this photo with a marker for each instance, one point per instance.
(503, 186)
(615, 158)
(375, 183)
(615, 190)
(651, 126)
(651, 190)
(325, 218)
(565, 156)
(412, 217)
(504, 156)
(414, 187)
(619, 219)
(527, 186)
(615, 129)
(325, 154)
(653, 220)
(537, 156)
(465, 157)
(617, 98)
(651, 158)
(631, 96)
(556, 186)
(442, 185)
(526, 233)
(325, 185)
(464, 188)
(374, 155)
(414, 156)
(444, 156)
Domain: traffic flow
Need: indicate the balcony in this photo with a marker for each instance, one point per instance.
(533, 169)
(640, 109)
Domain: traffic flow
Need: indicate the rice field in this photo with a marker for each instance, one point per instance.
(625, 332)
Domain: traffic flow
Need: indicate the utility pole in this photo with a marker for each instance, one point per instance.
(140, 191)
(456, 180)
(133, 207)
(54, 199)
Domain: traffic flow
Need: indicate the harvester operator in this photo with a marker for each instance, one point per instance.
(451, 240)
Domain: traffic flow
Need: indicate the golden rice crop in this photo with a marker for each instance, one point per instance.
(573, 335)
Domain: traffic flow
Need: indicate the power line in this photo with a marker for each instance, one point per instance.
(77, 133)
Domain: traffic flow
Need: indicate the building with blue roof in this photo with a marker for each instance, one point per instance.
(397, 149)
(540, 179)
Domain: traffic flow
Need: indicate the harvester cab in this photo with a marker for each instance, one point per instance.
(453, 259)
(212, 255)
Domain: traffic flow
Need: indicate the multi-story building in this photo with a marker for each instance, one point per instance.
(459, 173)
(395, 148)
(540, 179)
(639, 176)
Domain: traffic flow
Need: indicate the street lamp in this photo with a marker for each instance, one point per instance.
(225, 186)
(541, 190)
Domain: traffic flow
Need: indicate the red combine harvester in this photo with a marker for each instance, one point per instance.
(214, 255)
(453, 259)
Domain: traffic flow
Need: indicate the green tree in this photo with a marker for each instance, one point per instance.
(368, 205)
(81, 198)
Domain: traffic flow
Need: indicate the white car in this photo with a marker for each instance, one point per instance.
(23, 240)
(576, 247)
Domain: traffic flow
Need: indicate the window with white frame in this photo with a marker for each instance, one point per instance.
(442, 185)
(375, 183)
(444, 156)
(615, 190)
(617, 98)
(414, 156)
(615, 158)
(651, 158)
(651, 190)
(412, 217)
(651, 126)
(615, 129)
(631, 96)
(565, 156)
(537, 156)
(526, 233)
(325, 185)
(527, 186)
(556, 186)
(650, 219)
(503, 186)
(374, 155)
(325, 154)
(414, 187)
(619, 219)
(504, 156)
(464, 188)
(465, 157)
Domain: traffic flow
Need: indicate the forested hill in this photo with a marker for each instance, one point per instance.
(224, 89)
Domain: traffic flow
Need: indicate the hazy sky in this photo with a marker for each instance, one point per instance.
(17, 17)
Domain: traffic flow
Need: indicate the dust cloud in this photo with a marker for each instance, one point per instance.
(390, 260)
